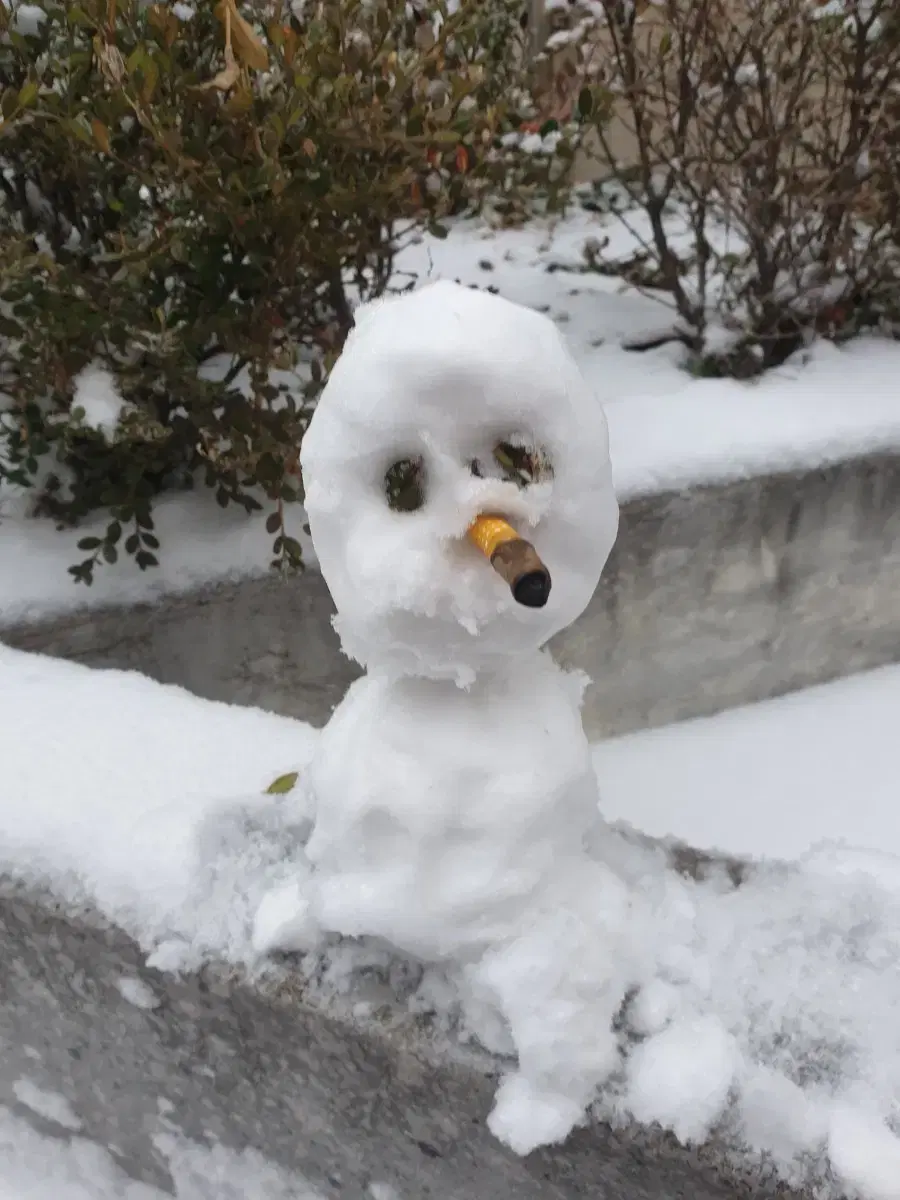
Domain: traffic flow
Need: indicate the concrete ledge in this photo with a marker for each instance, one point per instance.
(713, 597)
(342, 1106)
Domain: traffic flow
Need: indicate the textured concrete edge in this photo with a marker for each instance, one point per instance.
(255, 1066)
(713, 597)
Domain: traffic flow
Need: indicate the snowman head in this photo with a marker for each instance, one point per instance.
(448, 404)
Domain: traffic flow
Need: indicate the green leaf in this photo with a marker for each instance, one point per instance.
(78, 130)
(585, 102)
(283, 784)
(89, 543)
(28, 93)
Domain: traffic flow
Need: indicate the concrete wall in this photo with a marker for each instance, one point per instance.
(713, 597)
(236, 1067)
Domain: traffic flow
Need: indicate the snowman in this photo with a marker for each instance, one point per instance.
(461, 505)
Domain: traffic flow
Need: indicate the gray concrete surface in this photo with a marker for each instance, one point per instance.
(340, 1106)
(713, 597)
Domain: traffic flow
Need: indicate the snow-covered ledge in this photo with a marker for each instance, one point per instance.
(715, 596)
(302, 1104)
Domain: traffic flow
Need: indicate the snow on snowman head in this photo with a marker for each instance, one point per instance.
(446, 405)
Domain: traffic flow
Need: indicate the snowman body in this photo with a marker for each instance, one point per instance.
(457, 806)
(452, 791)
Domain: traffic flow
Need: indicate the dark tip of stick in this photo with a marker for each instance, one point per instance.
(533, 589)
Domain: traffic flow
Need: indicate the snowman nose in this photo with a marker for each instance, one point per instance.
(514, 559)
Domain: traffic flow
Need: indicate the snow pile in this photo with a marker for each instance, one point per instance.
(43, 1167)
(441, 377)
(150, 837)
(765, 1011)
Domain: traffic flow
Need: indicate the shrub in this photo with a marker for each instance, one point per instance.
(192, 197)
(771, 128)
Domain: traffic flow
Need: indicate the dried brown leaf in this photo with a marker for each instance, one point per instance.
(247, 45)
(226, 78)
(110, 60)
(101, 135)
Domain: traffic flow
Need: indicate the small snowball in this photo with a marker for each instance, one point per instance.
(138, 993)
(779, 1117)
(49, 1105)
(681, 1077)
(653, 1007)
(97, 393)
(865, 1154)
(172, 955)
(525, 1117)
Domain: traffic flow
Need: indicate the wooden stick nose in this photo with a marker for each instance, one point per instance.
(513, 558)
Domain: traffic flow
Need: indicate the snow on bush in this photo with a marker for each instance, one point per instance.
(193, 204)
(756, 142)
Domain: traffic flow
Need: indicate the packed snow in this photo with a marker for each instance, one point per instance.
(667, 429)
(441, 376)
(35, 1166)
(789, 800)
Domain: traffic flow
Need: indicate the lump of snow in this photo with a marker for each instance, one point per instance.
(27, 19)
(138, 993)
(681, 1078)
(865, 1154)
(50, 1105)
(283, 921)
(525, 1117)
(780, 1118)
(97, 394)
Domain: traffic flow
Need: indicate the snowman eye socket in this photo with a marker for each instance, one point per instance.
(522, 461)
(404, 485)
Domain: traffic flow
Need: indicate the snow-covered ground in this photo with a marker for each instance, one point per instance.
(667, 429)
(769, 1011)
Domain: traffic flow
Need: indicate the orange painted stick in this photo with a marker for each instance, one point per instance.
(514, 559)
